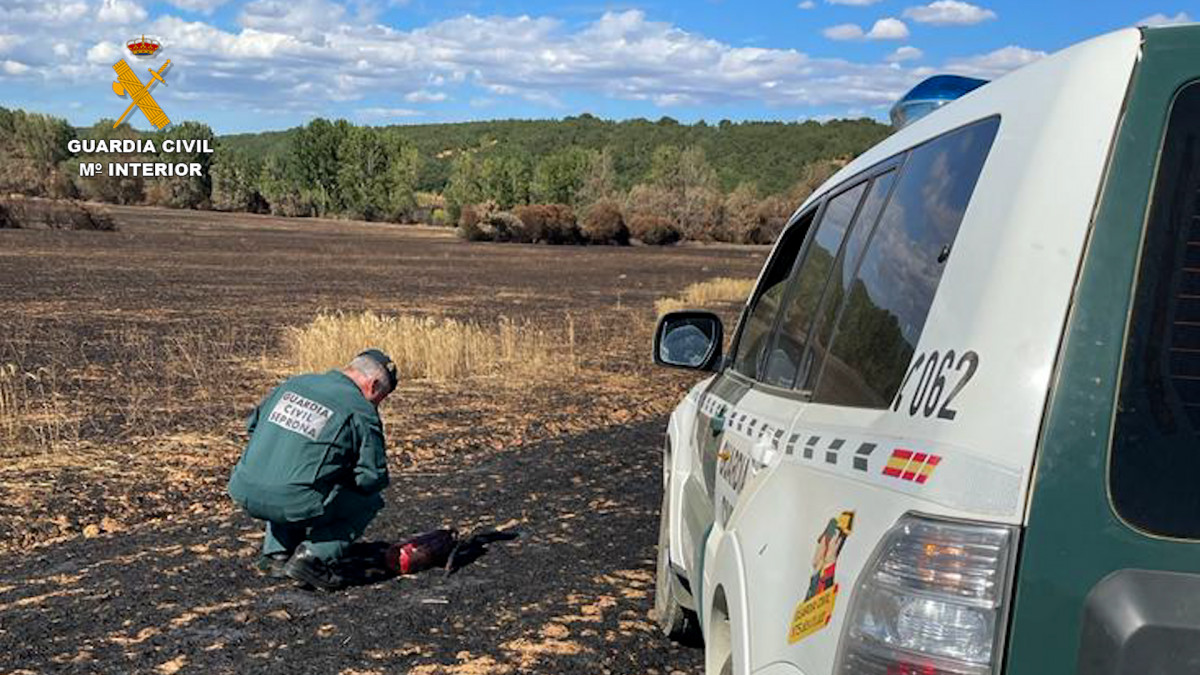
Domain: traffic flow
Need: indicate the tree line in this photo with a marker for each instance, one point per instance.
(578, 179)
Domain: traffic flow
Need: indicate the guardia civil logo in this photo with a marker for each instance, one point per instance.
(128, 83)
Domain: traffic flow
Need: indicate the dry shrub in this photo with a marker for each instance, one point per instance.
(653, 230)
(469, 216)
(293, 205)
(50, 214)
(699, 213)
(770, 216)
(426, 348)
(603, 223)
(707, 293)
(502, 226)
(547, 223)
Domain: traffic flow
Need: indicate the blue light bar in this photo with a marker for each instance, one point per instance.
(930, 95)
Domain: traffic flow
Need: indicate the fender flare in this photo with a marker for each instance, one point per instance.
(724, 570)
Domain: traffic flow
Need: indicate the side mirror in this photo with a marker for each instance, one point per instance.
(689, 339)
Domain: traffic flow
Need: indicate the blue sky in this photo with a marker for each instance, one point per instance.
(250, 65)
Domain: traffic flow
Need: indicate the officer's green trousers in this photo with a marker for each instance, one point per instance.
(346, 517)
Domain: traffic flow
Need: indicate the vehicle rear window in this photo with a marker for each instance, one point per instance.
(1155, 461)
(892, 290)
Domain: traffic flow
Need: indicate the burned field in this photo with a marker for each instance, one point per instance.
(131, 357)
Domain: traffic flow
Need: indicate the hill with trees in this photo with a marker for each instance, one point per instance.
(663, 180)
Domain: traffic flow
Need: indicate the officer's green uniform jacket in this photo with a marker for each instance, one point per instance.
(312, 437)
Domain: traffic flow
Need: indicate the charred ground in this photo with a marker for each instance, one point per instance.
(151, 343)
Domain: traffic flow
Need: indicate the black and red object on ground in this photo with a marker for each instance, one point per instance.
(440, 548)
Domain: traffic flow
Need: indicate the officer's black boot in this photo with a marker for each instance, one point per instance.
(307, 568)
(272, 565)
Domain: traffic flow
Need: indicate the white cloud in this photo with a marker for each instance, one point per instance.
(40, 12)
(120, 11)
(8, 41)
(308, 20)
(949, 12)
(385, 113)
(888, 29)
(104, 53)
(807, 4)
(309, 57)
(904, 54)
(1164, 20)
(843, 31)
(205, 6)
(994, 64)
(423, 96)
(15, 68)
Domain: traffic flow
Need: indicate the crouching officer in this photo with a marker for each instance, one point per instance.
(315, 467)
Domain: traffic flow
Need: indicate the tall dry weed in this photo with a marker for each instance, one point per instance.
(436, 349)
(32, 412)
(707, 293)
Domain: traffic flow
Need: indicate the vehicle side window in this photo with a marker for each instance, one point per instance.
(1155, 456)
(784, 360)
(842, 276)
(891, 292)
(768, 296)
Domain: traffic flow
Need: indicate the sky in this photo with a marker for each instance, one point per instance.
(254, 65)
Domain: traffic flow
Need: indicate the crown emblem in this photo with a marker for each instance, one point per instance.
(143, 47)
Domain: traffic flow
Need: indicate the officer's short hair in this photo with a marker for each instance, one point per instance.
(377, 366)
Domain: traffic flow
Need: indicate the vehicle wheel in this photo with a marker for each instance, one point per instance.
(676, 621)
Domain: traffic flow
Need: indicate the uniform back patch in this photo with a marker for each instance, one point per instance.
(300, 415)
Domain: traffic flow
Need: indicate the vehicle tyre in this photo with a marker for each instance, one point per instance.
(677, 622)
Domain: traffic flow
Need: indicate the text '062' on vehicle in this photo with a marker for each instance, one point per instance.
(957, 428)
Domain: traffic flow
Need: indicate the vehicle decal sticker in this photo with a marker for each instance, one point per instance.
(815, 611)
(831, 454)
(908, 465)
(937, 371)
(937, 472)
(862, 455)
(808, 447)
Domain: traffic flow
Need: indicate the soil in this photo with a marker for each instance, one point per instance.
(147, 346)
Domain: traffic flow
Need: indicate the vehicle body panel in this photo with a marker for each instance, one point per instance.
(1075, 541)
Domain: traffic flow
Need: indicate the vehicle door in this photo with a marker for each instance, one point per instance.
(723, 408)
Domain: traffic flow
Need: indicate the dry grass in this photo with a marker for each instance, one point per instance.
(707, 293)
(426, 348)
(31, 410)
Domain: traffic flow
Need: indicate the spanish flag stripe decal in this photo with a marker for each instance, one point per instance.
(907, 465)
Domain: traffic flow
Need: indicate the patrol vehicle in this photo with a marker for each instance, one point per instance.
(956, 429)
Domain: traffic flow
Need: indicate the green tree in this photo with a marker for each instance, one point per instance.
(505, 180)
(104, 186)
(235, 181)
(560, 175)
(314, 162)
(403, 175)
(363, 174)
(466, 184)
(188, 192)
(34, 148)
(600, 182)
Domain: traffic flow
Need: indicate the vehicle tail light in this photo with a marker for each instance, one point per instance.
(933, 600)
